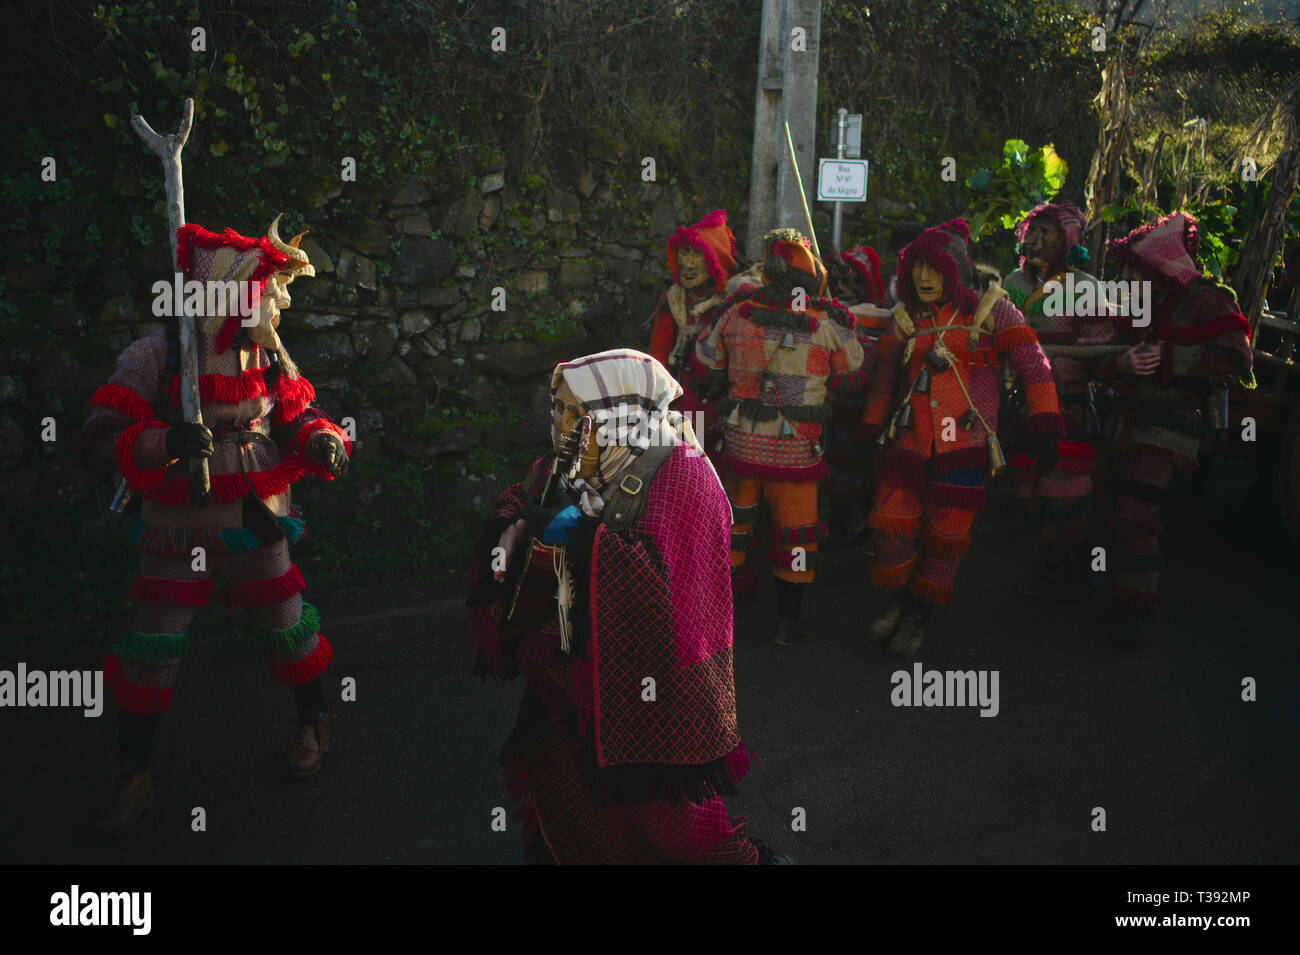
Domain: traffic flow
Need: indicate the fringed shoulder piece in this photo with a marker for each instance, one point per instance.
(904, 327)
(983, 320)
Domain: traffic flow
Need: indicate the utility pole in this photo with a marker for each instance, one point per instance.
(787, 93)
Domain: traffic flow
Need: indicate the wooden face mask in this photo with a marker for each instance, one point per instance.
(566, 410)
(274, 297)
(691, 272)
(928, 283)
(1044, 247)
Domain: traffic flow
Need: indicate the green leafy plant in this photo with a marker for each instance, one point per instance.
(1004, 193)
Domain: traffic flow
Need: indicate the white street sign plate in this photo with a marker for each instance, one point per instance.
(842, 180)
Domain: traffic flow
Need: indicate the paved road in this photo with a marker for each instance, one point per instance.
(1186, 771)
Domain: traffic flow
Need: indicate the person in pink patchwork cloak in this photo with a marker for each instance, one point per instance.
(627, 738)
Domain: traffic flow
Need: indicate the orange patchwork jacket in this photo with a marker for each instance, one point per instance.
(975, 345)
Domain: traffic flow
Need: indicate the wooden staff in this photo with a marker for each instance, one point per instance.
(803, 199)
(168, 150)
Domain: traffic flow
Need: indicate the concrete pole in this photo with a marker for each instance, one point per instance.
(787, 92)
(837, 227)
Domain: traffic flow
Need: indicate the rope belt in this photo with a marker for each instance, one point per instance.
(242, 436)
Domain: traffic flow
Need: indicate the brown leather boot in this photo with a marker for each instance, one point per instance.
(904, 644)
(308, 749)
(130, 793)
(887, 624)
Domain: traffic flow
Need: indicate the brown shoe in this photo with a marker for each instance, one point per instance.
(904, 644)
(791, 633)
(309, 747)
(130, 793)
(886, 625)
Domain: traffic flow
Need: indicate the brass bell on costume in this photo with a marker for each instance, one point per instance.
(969, 420)
(922, 384)
(817, 449)
(733, 419)
(768, 380)
(997, 460)
(906, 418)
(788, 341)
(937, 360)
(786, 430)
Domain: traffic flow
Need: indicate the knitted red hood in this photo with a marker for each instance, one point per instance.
(712, 238)
(946, 249)
(1166, 248)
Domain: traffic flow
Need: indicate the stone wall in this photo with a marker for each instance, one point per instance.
(397, 331)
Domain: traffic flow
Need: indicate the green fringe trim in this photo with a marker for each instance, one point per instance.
(152, 646)
(294, 527)
(288, 641)
(181, 540)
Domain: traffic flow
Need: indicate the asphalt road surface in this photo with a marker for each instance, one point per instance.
(1186, 771)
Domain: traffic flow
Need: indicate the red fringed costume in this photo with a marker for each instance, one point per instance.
(931, 474)
(686, 312)
(262, 420)
(1203, 337)
(1061, 497)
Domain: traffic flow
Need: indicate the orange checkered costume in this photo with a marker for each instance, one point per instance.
(777, 363)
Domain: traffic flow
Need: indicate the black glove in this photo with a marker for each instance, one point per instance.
(189, 440)
(327, 448)
(1046, 451)
(539, 518)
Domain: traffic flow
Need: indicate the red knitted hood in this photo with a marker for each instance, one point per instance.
(866, 264)
(945, 248)
(712, 238)
(1166, 248)
(1067, 217)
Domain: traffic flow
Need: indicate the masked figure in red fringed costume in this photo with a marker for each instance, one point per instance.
(627, 736)
(1200, 342)
(260, 435)
(1067, 308)
(702, 264)
(938, 373)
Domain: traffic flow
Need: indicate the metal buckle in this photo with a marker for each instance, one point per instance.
(623, 486)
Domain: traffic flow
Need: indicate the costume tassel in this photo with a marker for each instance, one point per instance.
(564, 598)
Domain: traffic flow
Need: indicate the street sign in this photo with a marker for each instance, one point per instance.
(842, 180)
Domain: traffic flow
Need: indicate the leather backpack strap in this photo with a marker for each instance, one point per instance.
(626, 499)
